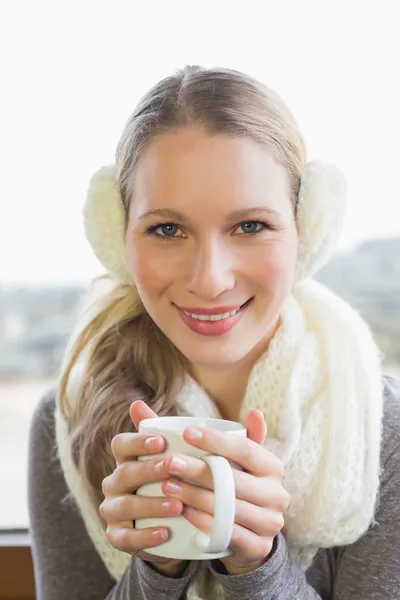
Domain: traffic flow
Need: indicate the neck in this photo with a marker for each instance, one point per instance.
(227, 384)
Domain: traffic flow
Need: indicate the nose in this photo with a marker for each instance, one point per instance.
(211, 271)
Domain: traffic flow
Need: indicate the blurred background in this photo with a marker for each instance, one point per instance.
(72, 73)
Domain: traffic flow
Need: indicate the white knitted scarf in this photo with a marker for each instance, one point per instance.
(319, 387)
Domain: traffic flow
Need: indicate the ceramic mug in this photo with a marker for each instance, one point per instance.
(185, 541)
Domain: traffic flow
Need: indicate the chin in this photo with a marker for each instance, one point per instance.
(216, 355)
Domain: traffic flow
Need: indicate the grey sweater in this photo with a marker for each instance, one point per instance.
(67, 566)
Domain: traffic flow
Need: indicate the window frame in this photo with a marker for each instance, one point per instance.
(16, 565)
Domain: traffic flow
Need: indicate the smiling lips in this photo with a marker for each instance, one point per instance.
(211, 321)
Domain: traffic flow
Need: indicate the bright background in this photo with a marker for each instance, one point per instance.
(71, 73)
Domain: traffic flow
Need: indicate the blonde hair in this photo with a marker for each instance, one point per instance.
(126, 356)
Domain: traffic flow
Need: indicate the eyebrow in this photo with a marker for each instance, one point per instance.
(169, 213)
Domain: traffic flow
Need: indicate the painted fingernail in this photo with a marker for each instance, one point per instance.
(188, 510)
(158, 467)
(194, 434)
(167, 505)
(160, 534)
(177, 465)
(173, 488)
(152, 443)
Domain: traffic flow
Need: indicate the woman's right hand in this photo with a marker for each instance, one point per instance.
(121, 507)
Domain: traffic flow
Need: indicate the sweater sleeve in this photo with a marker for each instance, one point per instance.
(66, 563)
(140, 582)
(278, 579)
(367, 569)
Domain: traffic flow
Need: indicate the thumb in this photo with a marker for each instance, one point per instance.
(138, 411)
(256, 426)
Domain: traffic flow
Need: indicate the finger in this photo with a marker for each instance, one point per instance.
(138, 411)
(246, 545)
(130, 508)
(134, 540)
(256, 426)
(259, 519)
(190, 469)
(265, 492)
(253, 458)
(128, 446)
(268, 492)
(130, 475)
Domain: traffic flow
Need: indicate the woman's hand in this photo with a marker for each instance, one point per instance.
(260, 496)
(121, 507)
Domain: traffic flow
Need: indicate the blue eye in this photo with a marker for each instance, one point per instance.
(168, 229)
(251, 226)
(164, 230)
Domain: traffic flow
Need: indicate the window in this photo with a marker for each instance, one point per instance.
(73, 74)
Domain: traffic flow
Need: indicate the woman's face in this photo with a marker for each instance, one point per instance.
(212, 243)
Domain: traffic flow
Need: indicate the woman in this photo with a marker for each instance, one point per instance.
(210, 226)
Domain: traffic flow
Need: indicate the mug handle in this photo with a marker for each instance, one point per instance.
(224, 508)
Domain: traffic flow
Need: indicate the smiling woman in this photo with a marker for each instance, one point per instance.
(210, 226)
(208, 258)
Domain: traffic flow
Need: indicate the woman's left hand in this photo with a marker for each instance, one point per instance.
(260, 496)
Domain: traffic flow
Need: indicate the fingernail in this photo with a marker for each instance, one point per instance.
(188, 510)
(177, 465)
(173, 488)
(158, 467)
(160, 534)
(167, 505)
(194, 434)
(152, 443)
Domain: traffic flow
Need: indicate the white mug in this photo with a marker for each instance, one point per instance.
(186, 541)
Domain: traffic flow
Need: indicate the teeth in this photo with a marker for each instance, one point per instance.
(212, 317)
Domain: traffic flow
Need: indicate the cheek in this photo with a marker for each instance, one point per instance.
(274, 269)
(149, 270)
